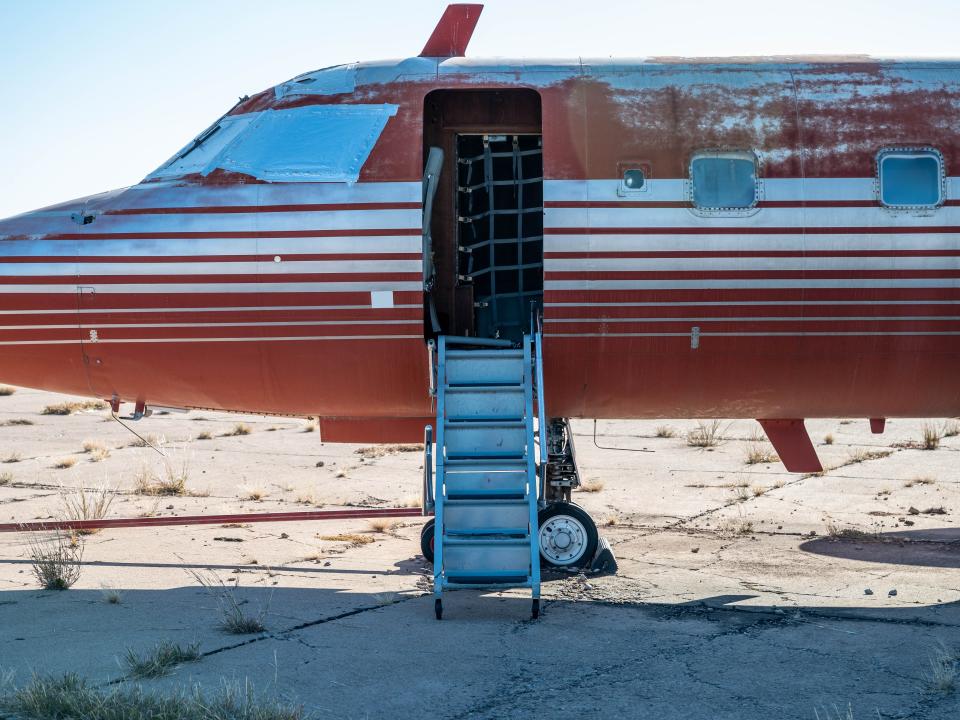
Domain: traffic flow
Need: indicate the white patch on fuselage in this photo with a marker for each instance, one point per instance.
(381, 299)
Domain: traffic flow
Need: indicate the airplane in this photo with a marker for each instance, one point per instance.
(768, 238)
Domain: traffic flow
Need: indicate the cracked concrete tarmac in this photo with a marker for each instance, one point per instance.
(736, 597)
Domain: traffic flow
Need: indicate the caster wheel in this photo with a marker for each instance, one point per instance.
(426, 540)
(535, 610)
(438, 608)
(568, 536)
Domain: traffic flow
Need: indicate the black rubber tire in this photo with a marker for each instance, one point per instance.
(535, 610)
(578, 513)
(438, 608)
(426, 540)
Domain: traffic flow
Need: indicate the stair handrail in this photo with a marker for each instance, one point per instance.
(541, 405)
(428, 504)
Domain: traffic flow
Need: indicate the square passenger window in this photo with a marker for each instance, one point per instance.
(911, 178)
(724, 180)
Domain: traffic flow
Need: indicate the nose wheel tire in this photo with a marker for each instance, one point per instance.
(426, 540)
(568, 536)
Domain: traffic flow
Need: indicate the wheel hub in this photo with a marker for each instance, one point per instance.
(563, 540)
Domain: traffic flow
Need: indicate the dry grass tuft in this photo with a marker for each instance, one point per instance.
(353, 539)
(148, 440)
(385, 598)
(69, 696)
(860, 455)
(86, 505)
(828, 439)
(69, 408)
(160, 660)
(758, 454)
(111, 596)
(6, 478)
(942, 676)
(233, 617)
(17, 421)
(758, 490)
(665, 431)
(919, 481)
(930, 435)
(205, 435)
(951, 428)
(55, 561)
(847, 533)
(65, 463)
(741, 493)
(374, 451)
(13, 457)
(341, 473)
(382, 525)
(610, 521)
(705, 434)
(254, 493)
(591, 486)
(97, 450)
(173, 482)
(6, 390)
(312, 425)
(732, 527)
(411, 501)
(238, 429)
(835, 714)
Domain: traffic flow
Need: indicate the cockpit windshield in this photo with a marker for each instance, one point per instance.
(316, 143)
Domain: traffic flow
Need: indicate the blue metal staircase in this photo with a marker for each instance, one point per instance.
(486, 483)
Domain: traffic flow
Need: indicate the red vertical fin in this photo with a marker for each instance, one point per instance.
(792, 443)
(878, 425)
(452, 34)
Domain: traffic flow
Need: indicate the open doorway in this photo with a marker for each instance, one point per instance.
(485, 215)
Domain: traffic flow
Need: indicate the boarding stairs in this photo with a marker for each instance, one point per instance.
(487, 486)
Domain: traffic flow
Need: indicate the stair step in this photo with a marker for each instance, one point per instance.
(485, 478)
(485, 402)
(486, 517)
(486, 557)
(482, 367)
(485, 439)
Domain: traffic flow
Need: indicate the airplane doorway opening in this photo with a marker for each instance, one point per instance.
(483, 217)
(500, 230)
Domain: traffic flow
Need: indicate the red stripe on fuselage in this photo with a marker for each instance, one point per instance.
(228, 209)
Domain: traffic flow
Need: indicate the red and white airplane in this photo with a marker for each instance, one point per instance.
(770, 238)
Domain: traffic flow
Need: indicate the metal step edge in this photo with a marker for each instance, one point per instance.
(499, 387)
(470, 533)
(508, 353)
(485, 456)
(488, 582)
(483, 540)
(510, 423)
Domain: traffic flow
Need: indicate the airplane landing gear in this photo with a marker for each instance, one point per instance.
(568, 536)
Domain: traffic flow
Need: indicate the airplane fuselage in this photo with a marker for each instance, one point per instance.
(765, 238)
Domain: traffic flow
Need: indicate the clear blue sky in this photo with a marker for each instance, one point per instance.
(96, 94)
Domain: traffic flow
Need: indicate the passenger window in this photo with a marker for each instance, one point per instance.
(724, 180)
(910, 178)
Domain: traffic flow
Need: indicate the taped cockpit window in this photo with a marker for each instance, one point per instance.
(321, 143)
(199, 153)
(334, 80)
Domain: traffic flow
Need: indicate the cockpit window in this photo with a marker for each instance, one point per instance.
(319, 143)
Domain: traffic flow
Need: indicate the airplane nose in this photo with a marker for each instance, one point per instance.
(39, 318)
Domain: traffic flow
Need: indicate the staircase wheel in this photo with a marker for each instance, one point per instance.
(568, 536)
(535, 610)
(438, 608)
(426, 540)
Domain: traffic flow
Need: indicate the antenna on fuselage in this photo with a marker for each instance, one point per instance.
(452, 34)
